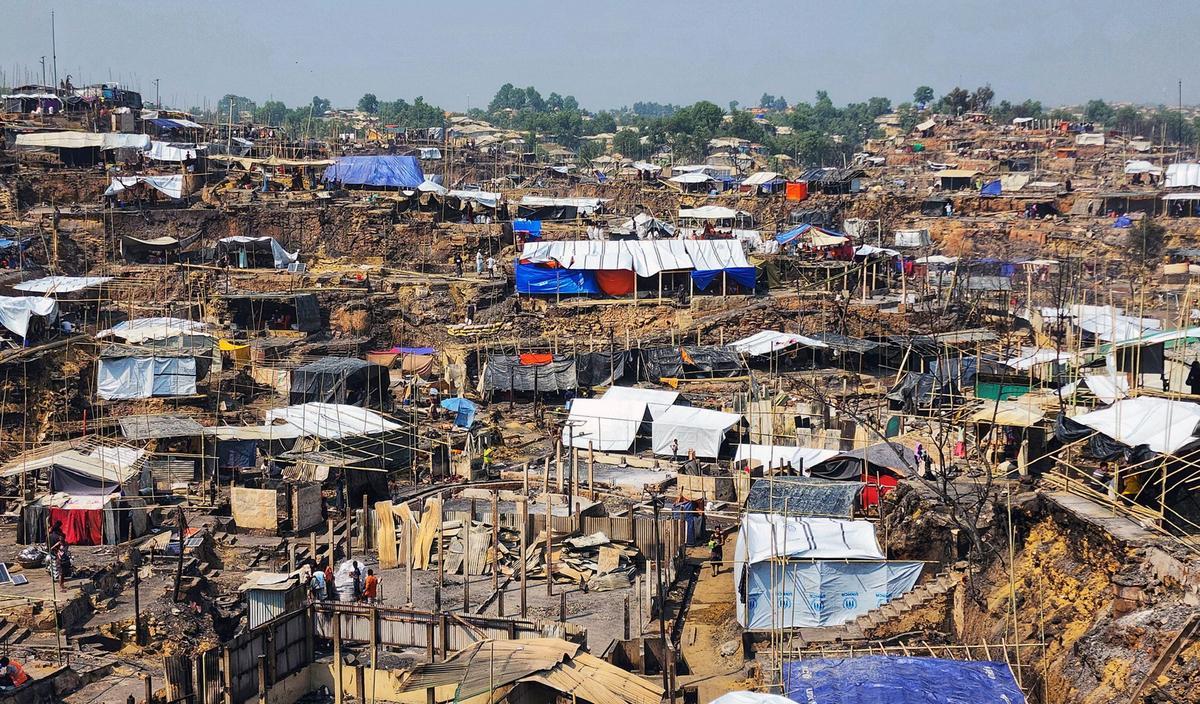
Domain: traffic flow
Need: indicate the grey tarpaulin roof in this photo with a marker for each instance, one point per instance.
(159, 426)
(803, 496)
(846, 344)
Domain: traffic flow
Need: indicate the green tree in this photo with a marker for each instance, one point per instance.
(923, 95)
(1099, 111)
(240, 104)
(570, 103)
(320, 106)
(741, 124)
(588, 149)
(602, 122)
(1126, 118)
(982, 98)
(272, 112)
(956, 101)
(368, 103)
(627, 143)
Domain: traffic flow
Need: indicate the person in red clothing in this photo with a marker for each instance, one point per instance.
(330, 594)
(11, 673)
(371, 588)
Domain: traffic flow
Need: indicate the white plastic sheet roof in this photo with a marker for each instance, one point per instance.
(1162, 424)
(1141, 166)
(61, 284)
(656, 400)
(1033, 357)
(331, 421)
(698, 429)
(83, 140)
(768, 341)
(646, 258)
(17, 311)
(767, 535)
(1183, 175)
(691, 177)
(711, 212)
(760, 178)
(773, 456)
(170, 186)
(142, 329)
(608, 425)
(583, 205)
(170, 151)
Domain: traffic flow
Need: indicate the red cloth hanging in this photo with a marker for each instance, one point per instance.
(616, 282)
(80, 526)
(876, 486)
(530, 359)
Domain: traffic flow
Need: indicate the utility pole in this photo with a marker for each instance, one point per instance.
(53, 50)
(656, 504)
(158, 101)
(43, 70)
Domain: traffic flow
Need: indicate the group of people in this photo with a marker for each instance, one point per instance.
(481, 265)
(364, 585)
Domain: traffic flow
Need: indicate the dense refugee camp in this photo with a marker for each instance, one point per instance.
(593, 369)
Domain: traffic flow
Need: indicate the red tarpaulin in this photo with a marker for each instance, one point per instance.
(530, 359)
(80, 526)
(616, 282)
(875, 484)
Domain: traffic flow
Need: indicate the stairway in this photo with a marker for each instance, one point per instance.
(861, 627)
(11, 633)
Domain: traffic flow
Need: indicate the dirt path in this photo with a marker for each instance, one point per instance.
(709, 624)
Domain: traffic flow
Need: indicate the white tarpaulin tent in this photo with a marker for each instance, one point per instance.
(145, 377)
(170, 186)
(711, 212)
(1141, 166)
(16, 311)
(656, 400)
(692, 177)
(1165, 426)
(607, 425)
(331, 421)
(142, 329)
(820, 584)
(172, 151)
(61, 284)
(774, 456)
(768, 341)
(1183, 176)
(698, 429)
(84, 140)
(644, 257)
(281, 256)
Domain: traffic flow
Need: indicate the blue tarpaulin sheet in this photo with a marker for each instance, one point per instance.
(693, 521)
(464, 408)
(791, 235)
(991, 188)
(382, 171)
(878, 679)
(743, 275)
(533, 228)
(236, 453)
(165, 123)
(1123, 222)
(537, 279)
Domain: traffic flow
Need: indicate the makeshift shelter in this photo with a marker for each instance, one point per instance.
(832, 571)
(762, 182)
(768, 342)
(254, 253)
(142, 330)
(342, 380)
(657, 401)
(19, 314)
(272, 594)
(607, 425)
(811, 237)
(170, 186)
(777, 456)
(532, 670)
(699, 430)
(377, 171)
(543, 208)
(418, 361)
(538, 373)
(128, 372)
(157, 250)
(1159, 425)
(81, 148)
(276, 311)
(955, 179)
(803, 496)
(899, 680)
(56, 285)
(659, 363)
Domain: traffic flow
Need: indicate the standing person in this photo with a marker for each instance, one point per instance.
(488, 459)
(1193, 377)
(317, 588)
(675, 449)
(55, 537)
(491, 267)
(716, 550)
(329, 591)
(479, 262)
(371, 588)
(458, 264)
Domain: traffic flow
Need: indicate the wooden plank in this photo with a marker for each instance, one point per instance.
(254, 508)
(426, 532)
(385, 535)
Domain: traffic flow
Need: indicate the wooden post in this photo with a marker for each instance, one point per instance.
(591, 471)
(365, 527)
(374, 647)
(562, 607)
(525, 478)
(332, 544)
(226, 677)
(466, 565)
(558, 465)
(262, 679)
(138, 637)
(524, 557)
(408, 564)
(495, 540)
(312, 549)
(549, 548)
(441, 555)
(291, 556)
(626, 631)
(546, 474)
(337, 656)
(148, 687)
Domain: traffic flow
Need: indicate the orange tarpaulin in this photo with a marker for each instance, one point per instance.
(616, 282)
(796, 190)
(530, 359)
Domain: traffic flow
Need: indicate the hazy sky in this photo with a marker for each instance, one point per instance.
(610, 53)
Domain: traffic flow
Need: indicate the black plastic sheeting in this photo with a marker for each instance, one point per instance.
(803, 496)
(688, 362)
(506, 373)
(600, 368)
(884, 457)
(1099, 445)
(944, 381)
(353, 382)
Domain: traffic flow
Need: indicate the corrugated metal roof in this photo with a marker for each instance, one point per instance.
(146, 427)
